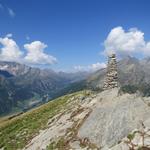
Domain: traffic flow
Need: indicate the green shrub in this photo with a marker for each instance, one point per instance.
(145, 89)
(129, 89)
(131, 136)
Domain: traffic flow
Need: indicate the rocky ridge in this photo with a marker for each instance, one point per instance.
(96, 121)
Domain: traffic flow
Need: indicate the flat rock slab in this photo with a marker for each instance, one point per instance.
(57, 129)
(113, 118)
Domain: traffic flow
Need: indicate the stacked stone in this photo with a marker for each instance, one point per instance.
(111, 80)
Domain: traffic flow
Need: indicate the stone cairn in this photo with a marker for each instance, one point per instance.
(111, 80)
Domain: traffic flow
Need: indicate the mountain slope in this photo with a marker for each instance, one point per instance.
(130, 71)
(82, 120)
(28, 125)
(22, 87)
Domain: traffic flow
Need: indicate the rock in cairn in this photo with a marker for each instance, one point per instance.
(111, 80)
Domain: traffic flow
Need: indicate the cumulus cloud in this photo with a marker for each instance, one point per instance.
(10, 50)
(34, 54)
(11, 13)
(126, 42)
(92, 67)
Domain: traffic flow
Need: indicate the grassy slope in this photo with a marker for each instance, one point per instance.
(17, 132)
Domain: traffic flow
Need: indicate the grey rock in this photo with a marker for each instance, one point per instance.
(111, 80)
(113, 118)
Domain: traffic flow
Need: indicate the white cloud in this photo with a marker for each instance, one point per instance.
(10, 50)
(97, 66)
(11, 13)
(36, 55)
(126, 42)
(9, 35)
(92, 67)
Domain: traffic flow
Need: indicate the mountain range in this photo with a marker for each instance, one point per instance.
(87, 119)
(23, 87)
(131, 71)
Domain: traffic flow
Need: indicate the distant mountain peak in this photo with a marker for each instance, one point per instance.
(129, 60)
(14, 68)
(147, 59)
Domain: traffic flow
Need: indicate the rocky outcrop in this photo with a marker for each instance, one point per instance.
(111, 80)
(113, 118)
(138, 139)
(96, 121)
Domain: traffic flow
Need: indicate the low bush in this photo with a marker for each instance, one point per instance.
(129, 89)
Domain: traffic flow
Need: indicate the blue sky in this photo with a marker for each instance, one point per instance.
(73, 30)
